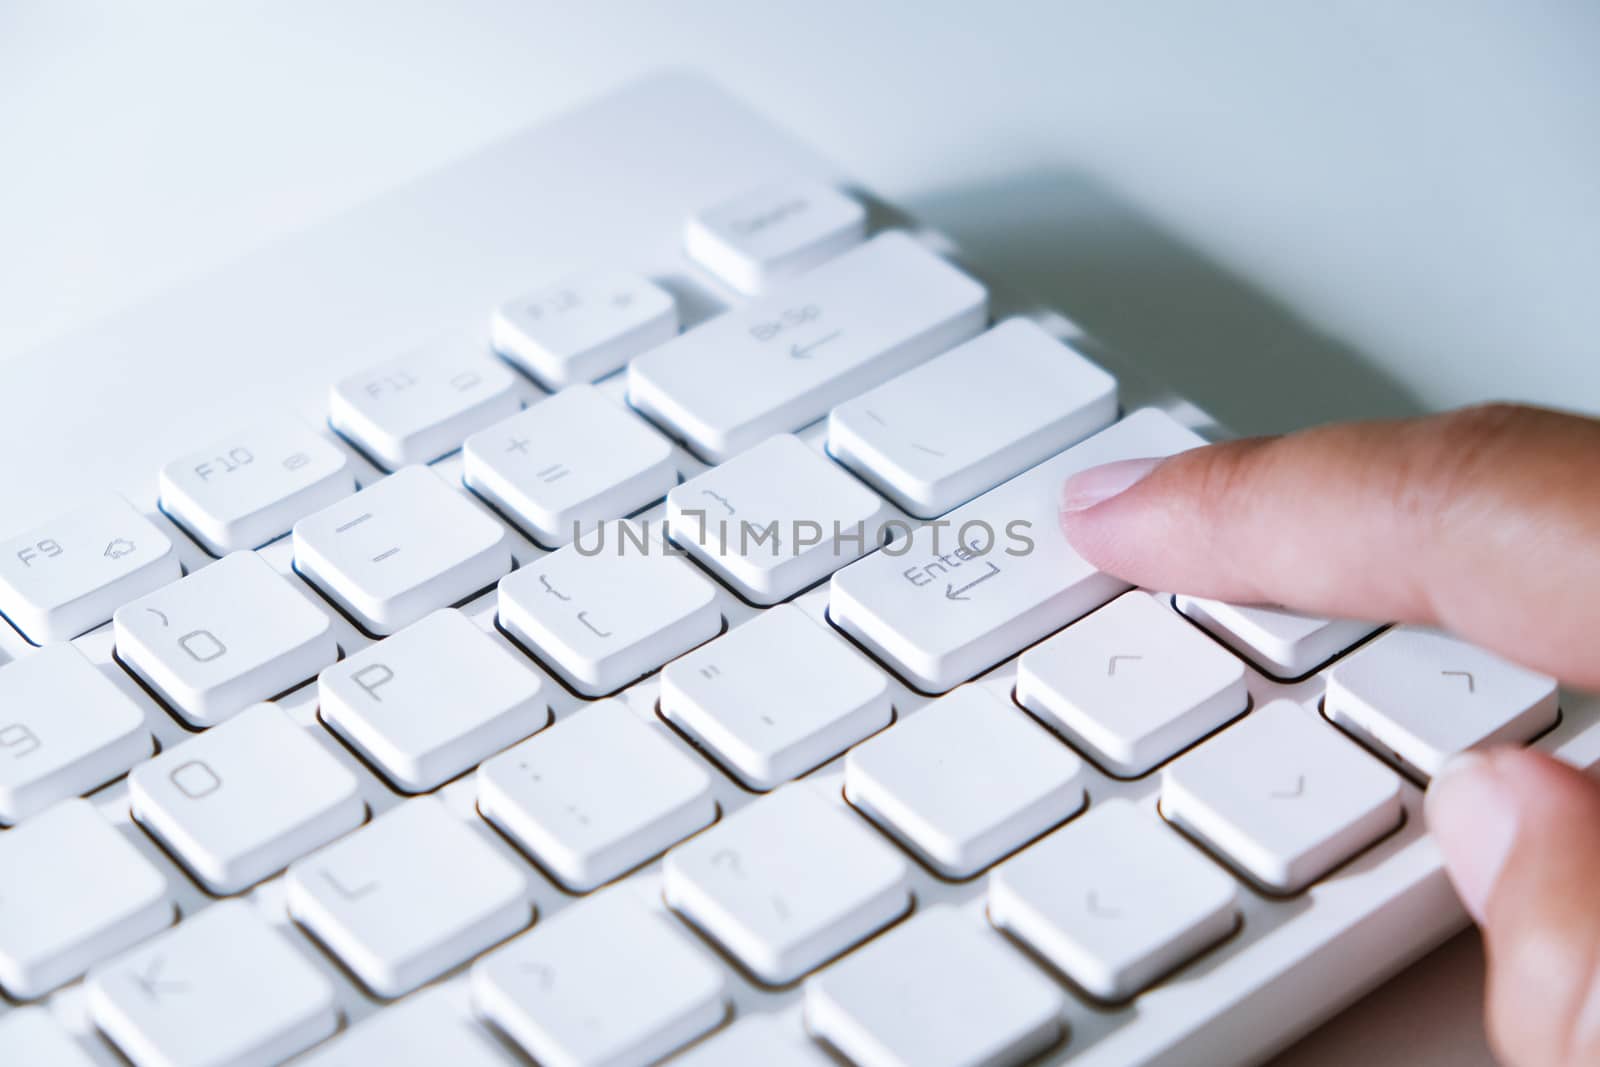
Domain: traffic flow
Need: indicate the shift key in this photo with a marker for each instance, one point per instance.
(993, 576)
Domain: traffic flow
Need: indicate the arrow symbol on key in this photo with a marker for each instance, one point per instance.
(799, 351)
(1472, 686)
(150, 981)
(1111, 664)
(1290, 794)
(954, 592)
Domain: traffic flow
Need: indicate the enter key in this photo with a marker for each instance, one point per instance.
(963, 593)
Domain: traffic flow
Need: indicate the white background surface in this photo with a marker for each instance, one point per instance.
(1294, 212)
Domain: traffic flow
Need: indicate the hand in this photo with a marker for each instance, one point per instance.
(1484, 522)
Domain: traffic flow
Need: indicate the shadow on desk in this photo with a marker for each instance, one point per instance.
(1189, 321)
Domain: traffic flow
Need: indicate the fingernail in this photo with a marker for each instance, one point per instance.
(1098, 484)
(1473, 819)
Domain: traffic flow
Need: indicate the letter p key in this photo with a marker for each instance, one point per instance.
(371, 678)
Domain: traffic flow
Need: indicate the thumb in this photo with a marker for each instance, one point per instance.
(1520, 834)
(1482, 521)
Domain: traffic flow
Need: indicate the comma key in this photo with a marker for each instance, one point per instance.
(997, 575)
(608, 981)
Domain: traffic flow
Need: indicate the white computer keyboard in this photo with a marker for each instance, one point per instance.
(504, 624)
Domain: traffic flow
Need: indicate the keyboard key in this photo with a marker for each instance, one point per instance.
(433, 701)
(1421, 697)
(30, 1037)
(775, 519)
(1281, 644)
(787, 883)
(408, 896)
(1132, 684)
(605, 611)
(223, 987)
(1115, 900)
(965, 781)
(962, 423)
(939, 991)
(243, 801)
(763, 1039)
(75, 892)
(955, 599)
(1282, 797)
(784, 360)
(775, 697)
(774, 232)
(568, 462)
(401, 548)
(422, 1030)
(69, 575)
(420, 406)
(596, 795)
(606, 982)
(225, 637)
(583, 328)
(65, 729)
(250, 488)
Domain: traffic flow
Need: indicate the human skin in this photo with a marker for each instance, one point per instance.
(1484, 522)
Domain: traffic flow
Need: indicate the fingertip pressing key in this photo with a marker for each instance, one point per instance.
(1096, 485)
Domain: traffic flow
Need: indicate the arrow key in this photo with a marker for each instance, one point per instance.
(1132, 684)
(1419, 697)
(178, 999)
(1113, 900)
(1281, 797)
